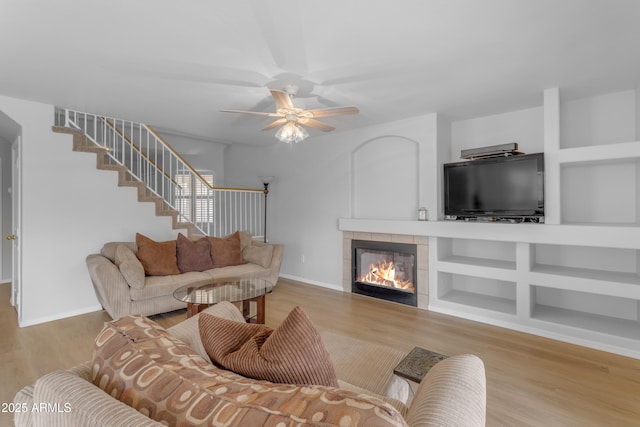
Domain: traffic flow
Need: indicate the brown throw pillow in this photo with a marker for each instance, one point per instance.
(193, 256)
(293, 353)
(157, 258)
(225, 251)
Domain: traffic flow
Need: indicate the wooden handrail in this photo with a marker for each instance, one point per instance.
(195, 172)
(135, 147)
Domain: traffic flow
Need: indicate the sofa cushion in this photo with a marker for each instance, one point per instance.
(293, 353)
(193, 256)
(226, 251)
(130, 266)
(157, 258)
(245, 239)
(244, 270)
(159, 286)
(139, 363)
(260, 255)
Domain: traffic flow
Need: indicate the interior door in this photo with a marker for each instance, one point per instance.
(16, 269)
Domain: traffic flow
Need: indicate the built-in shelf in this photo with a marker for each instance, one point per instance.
(600, 153)
(480, 262)
(485, 302)
(588, 322)
(630, 280)
(475, 291)
(481, 267)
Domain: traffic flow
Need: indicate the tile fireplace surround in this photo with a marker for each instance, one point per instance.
(422, 259)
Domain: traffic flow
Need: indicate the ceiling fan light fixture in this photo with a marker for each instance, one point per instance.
(291, 132)
(293, 120)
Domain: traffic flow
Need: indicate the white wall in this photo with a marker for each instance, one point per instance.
(526, 127)
(201, 154)
(384, 178)
(69, 209)
(313, 188)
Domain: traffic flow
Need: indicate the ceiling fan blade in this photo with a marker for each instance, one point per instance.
(335, 111)
(316, 124)
(275, 124)
(283, 100)
(257, 113)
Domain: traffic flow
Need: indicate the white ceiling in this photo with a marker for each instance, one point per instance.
(176, 64)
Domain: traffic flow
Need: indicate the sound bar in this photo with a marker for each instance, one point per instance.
(510, 149)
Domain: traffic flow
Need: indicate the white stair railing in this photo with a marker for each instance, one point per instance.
(215, 211)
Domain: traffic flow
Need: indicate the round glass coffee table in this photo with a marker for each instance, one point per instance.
(199, 297)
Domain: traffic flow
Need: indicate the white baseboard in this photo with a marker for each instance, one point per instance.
(313, 282)
(31, 322)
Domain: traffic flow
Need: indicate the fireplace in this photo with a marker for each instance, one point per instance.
(385, 270)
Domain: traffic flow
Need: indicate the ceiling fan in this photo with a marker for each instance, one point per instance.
(293, 119)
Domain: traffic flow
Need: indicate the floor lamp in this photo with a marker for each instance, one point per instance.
(265, 181)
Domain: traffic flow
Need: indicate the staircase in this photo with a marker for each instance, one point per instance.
(145, 161)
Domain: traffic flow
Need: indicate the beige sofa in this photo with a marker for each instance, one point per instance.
(119, 297)
(453, 393)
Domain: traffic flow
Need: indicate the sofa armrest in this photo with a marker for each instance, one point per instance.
(24, 400)
(276, 263)
(453, 393)
(80, 403)
(110, 285)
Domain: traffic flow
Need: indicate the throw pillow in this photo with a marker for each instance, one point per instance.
(245, 239)
(130, 266)
(293, 353)
(193, 256)
(260, 255)
(225, 251)
(157, 258)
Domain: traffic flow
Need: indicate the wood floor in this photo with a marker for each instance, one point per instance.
(531, 381)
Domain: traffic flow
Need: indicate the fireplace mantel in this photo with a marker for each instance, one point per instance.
(627, 237)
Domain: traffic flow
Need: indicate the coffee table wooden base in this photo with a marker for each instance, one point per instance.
(194, 308)
(260, 312)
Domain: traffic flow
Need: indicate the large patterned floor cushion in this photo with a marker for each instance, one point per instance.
(139, 363)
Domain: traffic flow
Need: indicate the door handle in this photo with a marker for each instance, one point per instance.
(12, 237)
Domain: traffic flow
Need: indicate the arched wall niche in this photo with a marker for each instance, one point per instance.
(384, 178)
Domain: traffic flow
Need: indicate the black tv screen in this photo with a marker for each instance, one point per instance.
(500, 187)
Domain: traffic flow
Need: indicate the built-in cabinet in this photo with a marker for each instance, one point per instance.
(575, 278)
(582, 294)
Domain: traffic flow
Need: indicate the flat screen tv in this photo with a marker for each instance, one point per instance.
(500, 188)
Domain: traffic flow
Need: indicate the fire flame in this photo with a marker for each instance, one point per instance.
(384, 274)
